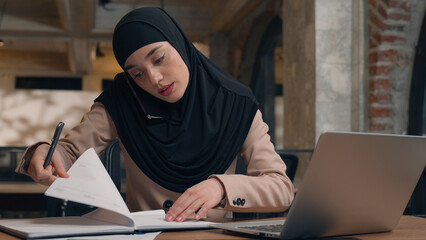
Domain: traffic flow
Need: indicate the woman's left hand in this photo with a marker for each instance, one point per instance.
(202, 197)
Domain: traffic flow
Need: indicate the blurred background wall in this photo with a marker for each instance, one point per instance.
(314, 65)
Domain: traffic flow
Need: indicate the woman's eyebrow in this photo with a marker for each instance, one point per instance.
(129, 67)
(147, 56)
(153, 51)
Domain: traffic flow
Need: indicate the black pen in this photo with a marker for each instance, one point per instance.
(167, 205)
(53, 145)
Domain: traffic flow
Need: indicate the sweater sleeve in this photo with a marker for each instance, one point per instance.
(96, 129)
(266, 187)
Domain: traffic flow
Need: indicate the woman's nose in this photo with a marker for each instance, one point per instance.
(154, 76)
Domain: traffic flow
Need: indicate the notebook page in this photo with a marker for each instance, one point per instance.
(89, 183)
(155, 220)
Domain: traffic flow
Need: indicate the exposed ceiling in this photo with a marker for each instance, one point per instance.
(74, 36)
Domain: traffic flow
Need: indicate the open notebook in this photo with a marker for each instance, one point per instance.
(89, 183)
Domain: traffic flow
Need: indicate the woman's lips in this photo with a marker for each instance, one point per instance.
(166, 90)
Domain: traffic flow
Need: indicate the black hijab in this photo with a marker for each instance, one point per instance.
(191, 139)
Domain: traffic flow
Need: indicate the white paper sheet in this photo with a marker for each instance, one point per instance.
(155, 220)
(89, 183)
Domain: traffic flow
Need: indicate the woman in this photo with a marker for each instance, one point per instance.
(181, 123)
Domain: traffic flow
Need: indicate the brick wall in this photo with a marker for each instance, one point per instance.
(389, 61)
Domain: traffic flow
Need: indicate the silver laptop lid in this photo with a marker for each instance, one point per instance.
(356, 183)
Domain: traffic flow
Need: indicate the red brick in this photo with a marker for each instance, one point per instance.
(385, 97)
(274, 6)
(382, 11)
(380, 84)
(373, 57)
(380, 112)
(387, 55)
(380, 127)
(377, 37)
(387, 2)
(405, 5)
(372, 44)
(399, 16)
(380, 70)
(392, 39)
(372, 3)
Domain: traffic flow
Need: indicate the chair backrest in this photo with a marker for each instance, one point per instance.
(290, 160)
(417, 204)
(9, 158)
(110, 157)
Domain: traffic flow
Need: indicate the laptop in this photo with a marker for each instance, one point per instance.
(355, 183)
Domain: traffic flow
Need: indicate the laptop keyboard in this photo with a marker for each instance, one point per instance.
(265, 228)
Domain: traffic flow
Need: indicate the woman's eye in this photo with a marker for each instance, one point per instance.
(137, 75)
(160, 59)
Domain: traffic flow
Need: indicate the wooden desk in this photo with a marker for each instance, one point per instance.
(22, 188)
(409, 228)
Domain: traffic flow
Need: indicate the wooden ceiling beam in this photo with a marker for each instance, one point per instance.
(52, 35)
(22, 61)
(77, 26)
(82, 17)
(81, 51)
(63, 7)
(81, 55)
(231, 13)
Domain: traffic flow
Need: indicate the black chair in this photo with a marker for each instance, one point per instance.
(417, 204)
(290, 160)
(9, 158)
(111, 158)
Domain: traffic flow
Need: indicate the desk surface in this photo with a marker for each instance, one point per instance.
(411, 228)
(22, 187)
(408, 228)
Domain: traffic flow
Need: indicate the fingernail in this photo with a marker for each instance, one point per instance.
(179, 219)
(197, 217)
(169, 217)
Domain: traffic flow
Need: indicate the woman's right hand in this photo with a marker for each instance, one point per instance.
(45, 176)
